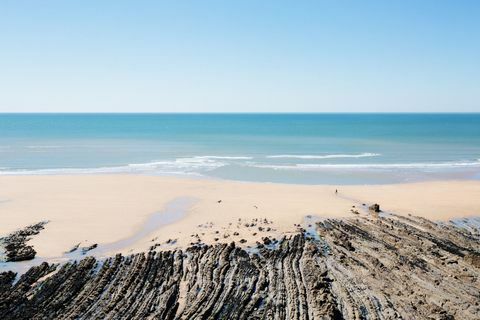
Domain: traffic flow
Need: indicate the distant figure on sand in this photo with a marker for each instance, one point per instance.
(336, 191)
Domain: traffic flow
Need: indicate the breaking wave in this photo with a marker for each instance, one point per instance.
(202, 165)
(315, 166)
(327, 156)
(189, 166)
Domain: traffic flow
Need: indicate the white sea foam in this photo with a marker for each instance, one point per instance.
(100, 170)
(181, 163)
(201, 165)
(179, 166)
(57, 171)
(223, 157)
(316, 166)
(327, 156)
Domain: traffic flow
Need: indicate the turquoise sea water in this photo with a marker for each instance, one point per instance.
(292, 148)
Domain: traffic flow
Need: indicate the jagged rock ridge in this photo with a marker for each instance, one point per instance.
(15, 244)
(358, 268)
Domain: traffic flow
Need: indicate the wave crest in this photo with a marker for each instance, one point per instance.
(179, 166)
(440, 165)
(327, 156)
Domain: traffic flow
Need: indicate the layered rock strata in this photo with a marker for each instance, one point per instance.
(357, 268)
(15, 244)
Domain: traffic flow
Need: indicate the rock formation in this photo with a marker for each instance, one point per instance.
(15, 244)
(358, 268)
(375, 207)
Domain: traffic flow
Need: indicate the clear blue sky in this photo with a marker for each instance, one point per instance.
(239, 56)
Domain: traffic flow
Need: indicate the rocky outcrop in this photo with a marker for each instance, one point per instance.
(358, 268)
(375, 207)
(91, 247)
(473, 259)
(15, 244)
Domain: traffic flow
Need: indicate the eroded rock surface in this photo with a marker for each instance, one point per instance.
(358, 268)
(15, 244)
(375, 207)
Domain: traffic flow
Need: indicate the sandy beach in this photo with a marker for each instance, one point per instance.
(130, 213)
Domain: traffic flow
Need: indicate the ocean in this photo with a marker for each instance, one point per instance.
(286, 148)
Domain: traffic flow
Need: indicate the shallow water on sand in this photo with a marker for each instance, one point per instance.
(174, 211)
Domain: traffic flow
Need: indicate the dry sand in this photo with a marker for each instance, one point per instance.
(107, 208)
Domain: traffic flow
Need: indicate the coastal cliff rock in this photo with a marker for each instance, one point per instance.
(360, 268)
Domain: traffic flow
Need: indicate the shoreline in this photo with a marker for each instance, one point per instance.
(103, 209)
(402, 267)
(333, 174)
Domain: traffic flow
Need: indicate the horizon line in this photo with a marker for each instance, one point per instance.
(238, 113)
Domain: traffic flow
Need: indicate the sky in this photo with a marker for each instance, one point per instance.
(240, 56)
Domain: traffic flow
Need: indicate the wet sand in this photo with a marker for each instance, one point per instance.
(121, 213)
